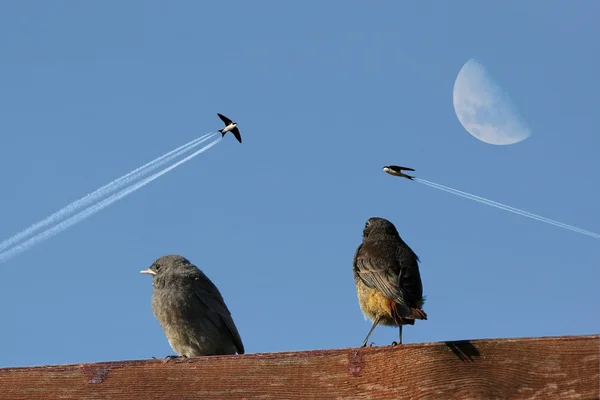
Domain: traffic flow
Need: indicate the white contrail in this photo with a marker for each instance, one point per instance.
(80, 216)
(105, 190)
(501, 206)
(505, 207)
(483, 200)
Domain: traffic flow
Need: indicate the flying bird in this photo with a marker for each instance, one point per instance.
(388, 282)
(397, 171)
(191, 310)
(230, 126)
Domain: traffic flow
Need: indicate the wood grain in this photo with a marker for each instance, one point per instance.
(530, 368)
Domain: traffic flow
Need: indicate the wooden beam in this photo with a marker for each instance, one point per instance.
(528, 368)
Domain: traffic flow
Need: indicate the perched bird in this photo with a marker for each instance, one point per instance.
(191, 310)
(397, 171)
(230, 126)
(388, 282)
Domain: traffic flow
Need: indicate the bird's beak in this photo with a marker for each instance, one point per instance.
(148, 271)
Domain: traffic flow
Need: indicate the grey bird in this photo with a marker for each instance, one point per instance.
(230, 126)
(397, 171)
(387, 277)
(191, 310)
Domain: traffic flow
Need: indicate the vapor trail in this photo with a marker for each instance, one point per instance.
(80, 216)
(503, 207)
(507, 208)
(500, 205)
(105, 190)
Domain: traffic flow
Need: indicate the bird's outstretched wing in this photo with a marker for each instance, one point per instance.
(209, 295)
(399, 168)
(226, 120)
(236, 133)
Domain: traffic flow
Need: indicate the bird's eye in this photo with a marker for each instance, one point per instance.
(157, 268)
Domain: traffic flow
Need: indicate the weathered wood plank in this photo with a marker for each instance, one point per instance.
(530, 368)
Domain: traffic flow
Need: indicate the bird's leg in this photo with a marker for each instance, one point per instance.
(400, 334)
(364, 343)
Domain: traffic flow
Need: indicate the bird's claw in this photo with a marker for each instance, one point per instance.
(371, 344)
(169, 358)
(394, 343)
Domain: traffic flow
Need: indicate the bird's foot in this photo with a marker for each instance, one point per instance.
(372, 344)
(169, 358)
(394, 343)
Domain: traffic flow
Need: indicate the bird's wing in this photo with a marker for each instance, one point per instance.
(209, 295)
(404, 168)
(224, 119)
(409, 277)
(381, 273)
(236, 133)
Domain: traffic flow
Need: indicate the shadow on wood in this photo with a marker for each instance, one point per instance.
(463, 349)
(530, 368)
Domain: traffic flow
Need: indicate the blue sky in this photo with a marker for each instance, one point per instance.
(325, 95)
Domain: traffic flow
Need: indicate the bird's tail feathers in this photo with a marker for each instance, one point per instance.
(417, 313)
(407, 316)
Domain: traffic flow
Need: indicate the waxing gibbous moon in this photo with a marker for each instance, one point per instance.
(484, 109)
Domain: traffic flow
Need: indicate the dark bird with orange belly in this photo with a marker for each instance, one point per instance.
(388, 281)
